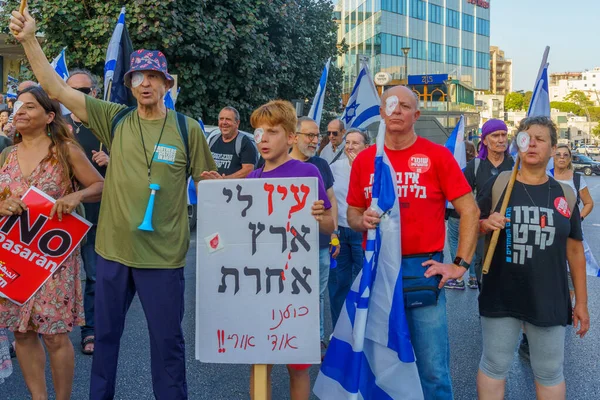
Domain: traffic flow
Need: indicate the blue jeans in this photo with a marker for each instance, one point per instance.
(349, 263)
(453, 224)
(88, 254)
(429, 335)
(323, 278)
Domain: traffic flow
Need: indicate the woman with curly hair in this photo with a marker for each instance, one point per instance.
(46, 156)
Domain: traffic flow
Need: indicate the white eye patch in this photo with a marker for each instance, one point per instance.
(136, 79)
(258, 134)
(390, 105)
(18, 104)
(523, 139)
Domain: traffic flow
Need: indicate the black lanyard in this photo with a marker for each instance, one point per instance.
(149, 163)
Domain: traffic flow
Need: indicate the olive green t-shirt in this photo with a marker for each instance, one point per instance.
(126, 188)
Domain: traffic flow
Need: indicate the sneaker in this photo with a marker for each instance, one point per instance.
(323, 349)
(472, 283)
(455, 284)
(524, 348)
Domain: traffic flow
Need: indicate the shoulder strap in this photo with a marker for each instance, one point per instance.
(337, 156)
(238, 144)
(118, 118)
(182, 127)
(4, 155)
(477, 162)
(212, 139)
(568, 192)
(498, 188)
(577, 183)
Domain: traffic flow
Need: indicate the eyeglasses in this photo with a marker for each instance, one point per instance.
(334, 133)
(311, 136)
(562, 155)
(84, 90)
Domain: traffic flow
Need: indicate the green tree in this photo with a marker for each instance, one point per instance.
(513, 102)
(596, 131)
(565, 106)
(225, 52)
(578, 97)
(527, 99)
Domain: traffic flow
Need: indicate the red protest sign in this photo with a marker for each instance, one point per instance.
(32, 246)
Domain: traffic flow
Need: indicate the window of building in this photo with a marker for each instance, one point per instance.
(392, 44)
(453, 18)
(417, 49)
(436, 14)
(451, 55)
(468, 23)
(436, 52)
(467, 57)
(395, 6)
(418, 9)
(483, 27)
(483, 60)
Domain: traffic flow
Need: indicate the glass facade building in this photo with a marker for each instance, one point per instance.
(445, 37)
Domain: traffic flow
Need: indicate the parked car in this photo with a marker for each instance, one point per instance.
(588, 149)
(583, 163)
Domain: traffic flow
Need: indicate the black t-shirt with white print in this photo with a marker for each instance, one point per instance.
(528, 275)
(226, 158)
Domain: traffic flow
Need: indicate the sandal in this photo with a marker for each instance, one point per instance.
(84, 343)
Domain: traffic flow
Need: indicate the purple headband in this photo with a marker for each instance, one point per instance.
(490, 126)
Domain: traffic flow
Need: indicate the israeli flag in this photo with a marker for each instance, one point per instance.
(169, 101)
(192, 196)
(316, 109)
(540, 100)
(60, 65)
(363, 105)
(370, 355)
(456, 143)
(117, 64)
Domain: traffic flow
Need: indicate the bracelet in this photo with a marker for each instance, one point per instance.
(481, 228)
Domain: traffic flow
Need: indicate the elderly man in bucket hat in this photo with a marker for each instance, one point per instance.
(492, 159)
(146, 149)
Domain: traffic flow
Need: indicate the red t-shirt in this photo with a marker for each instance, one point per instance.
(427, 175)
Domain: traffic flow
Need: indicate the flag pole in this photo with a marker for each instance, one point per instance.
(22, 8)
(261, 382)
(494, 240)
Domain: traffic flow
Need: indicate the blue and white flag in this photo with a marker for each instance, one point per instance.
(363, 105)
(60, 65)
(370, 355)
(456, 143)
(117, 64)
(192, 196)
(540, 100)
(11, 86)
(169, 101)
(316, 109)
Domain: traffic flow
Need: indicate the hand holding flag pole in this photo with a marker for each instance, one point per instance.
(22, 8)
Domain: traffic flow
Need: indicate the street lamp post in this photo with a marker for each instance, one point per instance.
(405, 50)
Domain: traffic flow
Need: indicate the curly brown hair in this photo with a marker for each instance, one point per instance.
(59, 129)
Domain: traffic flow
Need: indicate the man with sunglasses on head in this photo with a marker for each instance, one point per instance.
(305, 149)
(83, 81)
(492, 159)
(335, 149)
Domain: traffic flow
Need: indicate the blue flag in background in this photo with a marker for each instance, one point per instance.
(363, 105)
(316, 109)
(117, 64)
(60, 65)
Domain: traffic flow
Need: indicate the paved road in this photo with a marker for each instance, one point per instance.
(227, 382)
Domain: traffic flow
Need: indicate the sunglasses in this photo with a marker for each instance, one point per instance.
(84, 90)
(334, 133)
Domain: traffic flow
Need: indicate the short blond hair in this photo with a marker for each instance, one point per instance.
(275, 112)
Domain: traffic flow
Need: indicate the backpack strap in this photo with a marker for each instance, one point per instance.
(118, 119)
(182, 128)
(238, 144)
(212, 139)
(499, 187)
(476, 163)
(337, 156)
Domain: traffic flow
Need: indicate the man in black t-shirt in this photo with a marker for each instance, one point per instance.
(305, 147)
(234, 160)
(85, 82)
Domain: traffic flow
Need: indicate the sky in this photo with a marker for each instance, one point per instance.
(523, 28)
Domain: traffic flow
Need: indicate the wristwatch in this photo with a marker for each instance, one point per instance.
(461, 263)
(336, 232)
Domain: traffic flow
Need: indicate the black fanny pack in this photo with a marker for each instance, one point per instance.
(420, 291)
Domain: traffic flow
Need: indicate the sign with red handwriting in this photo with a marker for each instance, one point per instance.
(257, 278)
(33, 247)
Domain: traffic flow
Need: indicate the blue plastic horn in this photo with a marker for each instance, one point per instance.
(147, 223)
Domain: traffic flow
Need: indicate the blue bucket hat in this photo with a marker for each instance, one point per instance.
(148, 60)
